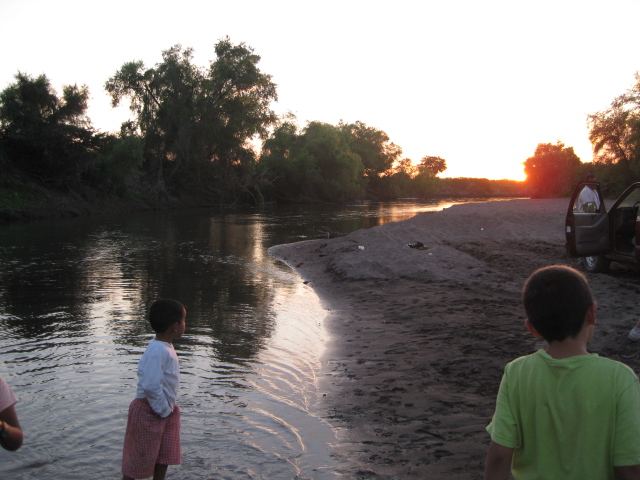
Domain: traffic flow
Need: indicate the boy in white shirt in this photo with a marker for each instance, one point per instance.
(152, 439)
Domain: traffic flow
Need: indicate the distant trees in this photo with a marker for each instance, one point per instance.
(551, 171)
(481, 187)
(196, 123)
(311, 165)
(338, 163)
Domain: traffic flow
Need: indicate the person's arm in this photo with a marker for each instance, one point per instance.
(630, 472)
(151, 382)
(11, 437)
(498, 463)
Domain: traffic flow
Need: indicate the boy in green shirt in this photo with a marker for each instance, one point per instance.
(563, 413)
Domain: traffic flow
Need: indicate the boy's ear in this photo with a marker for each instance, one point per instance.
(531, 329)
(591, 313)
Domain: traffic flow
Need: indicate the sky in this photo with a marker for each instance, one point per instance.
(478, 83)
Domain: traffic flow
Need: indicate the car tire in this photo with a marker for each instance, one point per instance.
(597, 264)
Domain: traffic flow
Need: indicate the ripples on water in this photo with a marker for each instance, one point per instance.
(73, 296)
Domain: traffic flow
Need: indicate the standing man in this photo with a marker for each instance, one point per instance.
(588, 200)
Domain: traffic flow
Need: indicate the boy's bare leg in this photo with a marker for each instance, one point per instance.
(159, 472)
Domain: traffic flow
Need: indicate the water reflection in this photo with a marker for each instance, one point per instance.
(73, 297)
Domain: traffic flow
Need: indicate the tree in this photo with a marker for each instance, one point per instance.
(552, 170)
(196, 124)
(376, 151)
(290, 177)
(405, 166)
(43, 135)
(118, 166)
(396, 182)
(425, 181)
(615, 137)
(340, 169)
(315, 164)
(432, 166)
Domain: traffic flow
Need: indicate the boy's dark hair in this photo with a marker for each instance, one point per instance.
(164, 313)
(556, 300)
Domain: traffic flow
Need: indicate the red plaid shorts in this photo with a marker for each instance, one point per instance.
(150, 440)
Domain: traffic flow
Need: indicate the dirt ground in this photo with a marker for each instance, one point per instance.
(420, 336)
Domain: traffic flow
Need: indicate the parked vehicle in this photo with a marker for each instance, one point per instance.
(601, 237)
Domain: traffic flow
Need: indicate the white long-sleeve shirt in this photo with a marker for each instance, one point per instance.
(158, 377)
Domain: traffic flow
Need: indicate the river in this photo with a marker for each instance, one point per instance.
(73, 299)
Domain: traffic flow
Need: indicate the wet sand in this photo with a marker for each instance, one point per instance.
(419, 337)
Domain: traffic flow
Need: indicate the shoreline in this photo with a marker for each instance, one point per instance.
(419, 337)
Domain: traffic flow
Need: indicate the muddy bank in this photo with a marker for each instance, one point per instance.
(420, 335)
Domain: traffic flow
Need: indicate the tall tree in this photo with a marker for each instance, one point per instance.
(552, 170)
(45, 135)
(197, 123)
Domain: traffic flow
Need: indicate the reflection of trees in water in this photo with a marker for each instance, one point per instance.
(98, 279)
(38, 280)
(95, 278)
(220, 277)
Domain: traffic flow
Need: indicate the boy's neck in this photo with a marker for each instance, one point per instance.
(569, 347)
(164, 337)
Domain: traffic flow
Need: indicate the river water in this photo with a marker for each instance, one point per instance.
(73, 298)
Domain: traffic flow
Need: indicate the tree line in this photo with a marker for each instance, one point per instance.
(193, 133)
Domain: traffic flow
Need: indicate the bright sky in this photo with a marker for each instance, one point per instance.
(478, 83)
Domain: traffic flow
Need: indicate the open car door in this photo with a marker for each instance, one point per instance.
(625, 225)
(587, 226)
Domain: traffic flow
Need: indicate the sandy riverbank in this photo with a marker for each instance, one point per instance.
(420, 336)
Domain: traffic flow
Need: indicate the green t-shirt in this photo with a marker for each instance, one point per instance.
(574, 418)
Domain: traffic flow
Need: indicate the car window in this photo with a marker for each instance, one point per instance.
(631, 200)
(588, 201)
